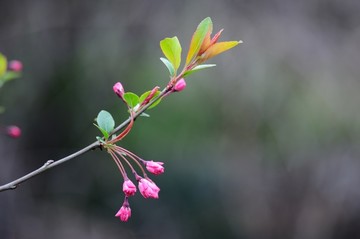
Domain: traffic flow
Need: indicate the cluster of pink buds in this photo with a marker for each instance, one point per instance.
(147, 188)
(123, 157)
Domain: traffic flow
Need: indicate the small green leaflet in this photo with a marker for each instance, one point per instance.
(169, 66)
(105, 123)
(131, 99)
(197, 68)
(172, 50)
(144, 115)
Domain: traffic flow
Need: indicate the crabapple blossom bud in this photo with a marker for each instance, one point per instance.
(13, 131)
(129, 188)
(148, 188)
(119, 89)
(124, 213)
(15, 65)
(180, 85)
(154, 167)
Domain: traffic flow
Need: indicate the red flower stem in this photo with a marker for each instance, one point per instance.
(118, 163)
(130, 153)
(125, 131)
(134, 157)
(127, 161)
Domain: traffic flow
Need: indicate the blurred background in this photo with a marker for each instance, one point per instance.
(265, 145)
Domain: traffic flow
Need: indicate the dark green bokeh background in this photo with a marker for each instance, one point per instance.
(265, 145)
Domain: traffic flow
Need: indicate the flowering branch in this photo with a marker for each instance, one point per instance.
(51, 163)
(202, 47)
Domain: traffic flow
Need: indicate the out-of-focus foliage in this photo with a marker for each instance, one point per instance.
(265, 145)
(5, 73)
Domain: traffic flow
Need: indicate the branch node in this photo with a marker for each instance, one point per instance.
(48, 162)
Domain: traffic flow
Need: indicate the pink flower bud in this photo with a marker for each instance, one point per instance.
(155, 167)
(119, 89)
(180, 85)
(13, 131)
(148, 188)
(129, 188)
(15, 65)
(124, 213)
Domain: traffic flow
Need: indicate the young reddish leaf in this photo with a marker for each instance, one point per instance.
(204, 28)
(3, 64)
(218, 48)
(197, 68)
(172, 50)
(206, 43)
(168, 65)
(145, 95)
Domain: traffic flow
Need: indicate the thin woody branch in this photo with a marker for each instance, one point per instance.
(51, 163)
(201, 48)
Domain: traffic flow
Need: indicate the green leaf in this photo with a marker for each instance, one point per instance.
(172, 50)
(131, 99)
(168, 65)
(105, 134)
(146, 94)
(3, 64)
(2, 109)
(105, 121)
(203, 28)
(144, 115)
(197, 68)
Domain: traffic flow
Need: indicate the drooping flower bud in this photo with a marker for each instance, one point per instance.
(180, 85)
(124, 212)
(129, 188)
(15, 65)
(148, 188)
(13, 131)
(119, 90)
(154, 167)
